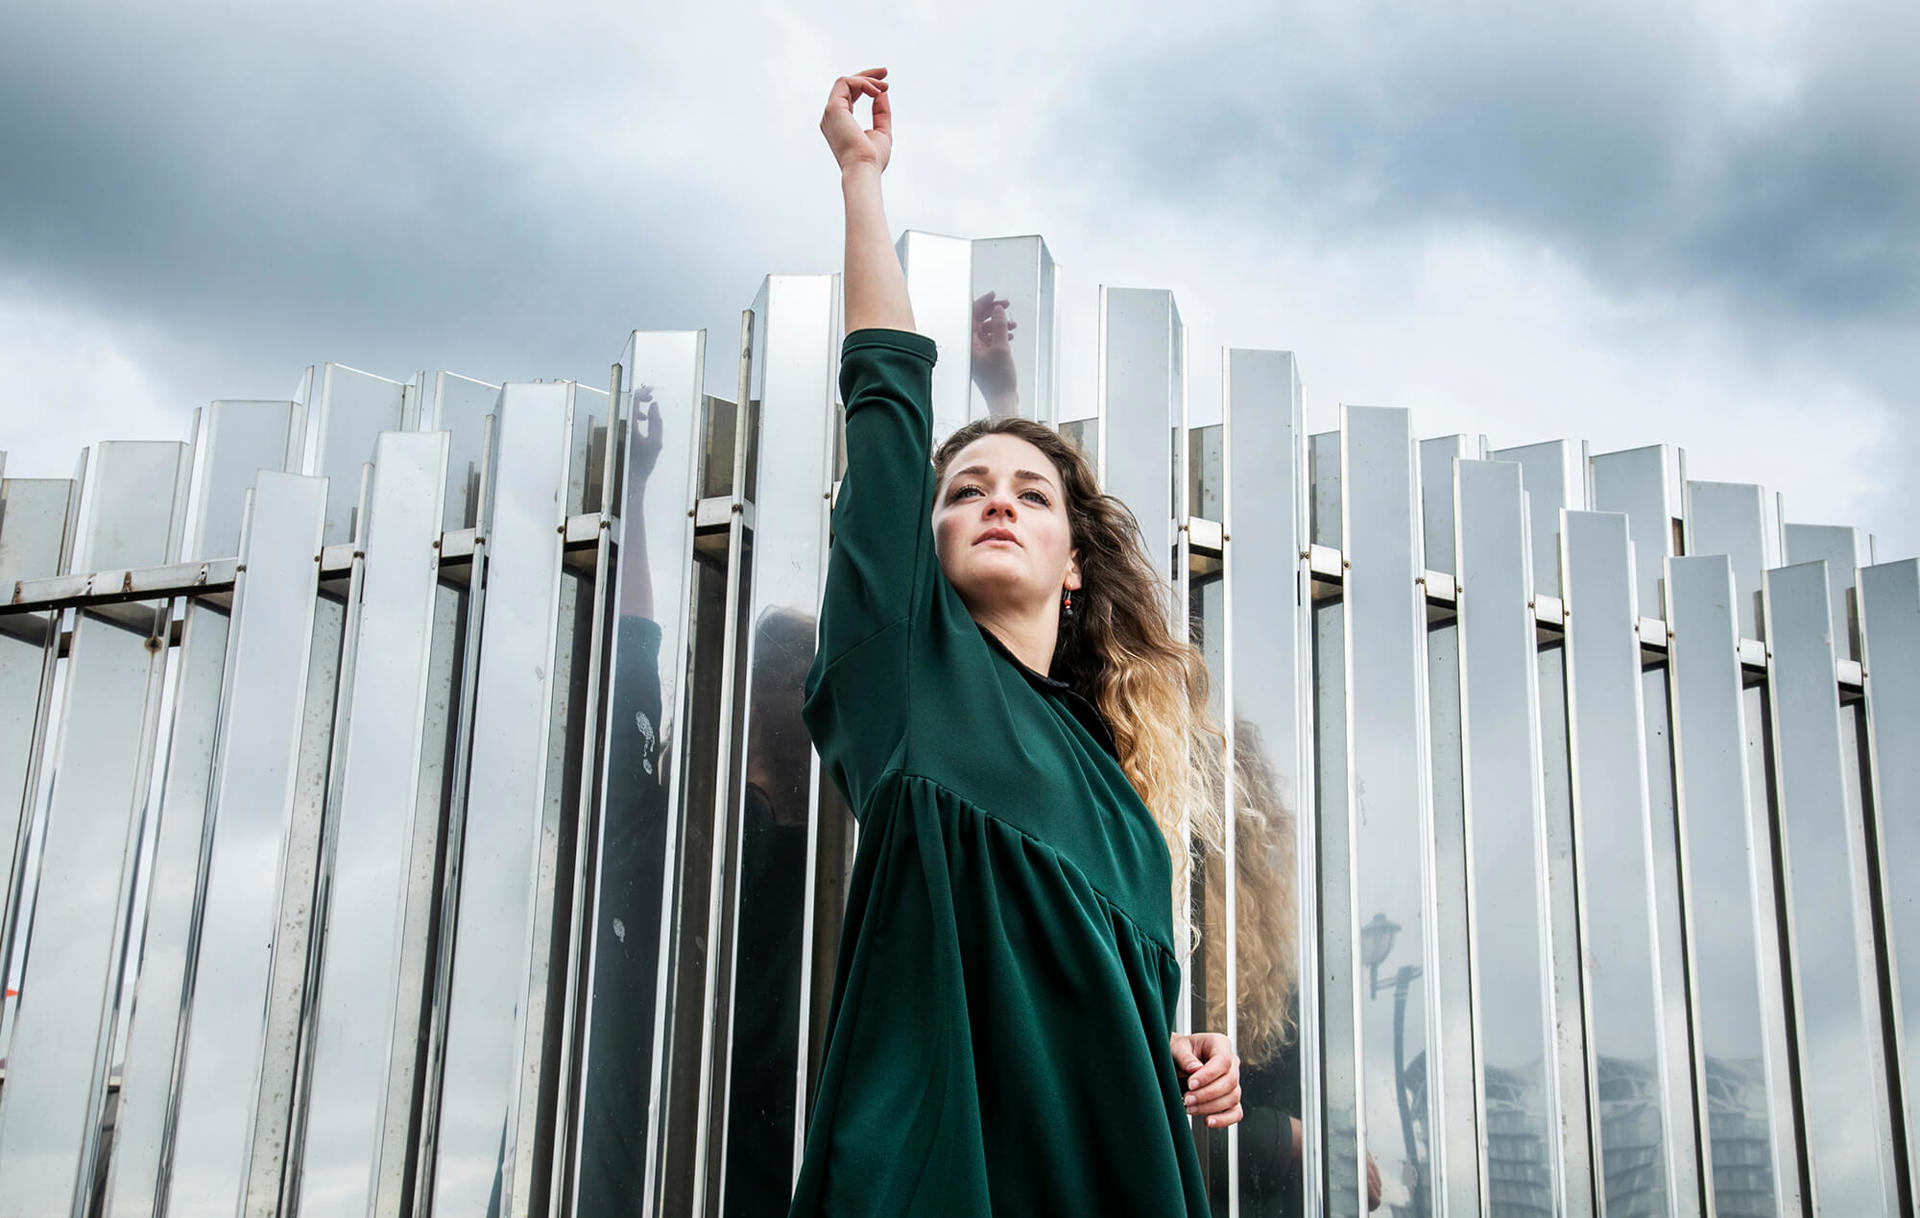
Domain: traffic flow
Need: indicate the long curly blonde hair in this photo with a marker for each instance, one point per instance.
(1119, 651)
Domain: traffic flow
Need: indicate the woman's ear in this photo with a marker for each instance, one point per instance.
(1073, 569)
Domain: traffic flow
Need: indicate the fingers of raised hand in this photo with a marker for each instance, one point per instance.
(1232, 1116)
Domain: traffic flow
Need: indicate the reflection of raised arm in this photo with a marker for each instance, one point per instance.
(993, 369)
(875, 286)
(643, 449)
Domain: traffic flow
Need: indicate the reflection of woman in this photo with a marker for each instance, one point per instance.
(998, 695)
(633, 847)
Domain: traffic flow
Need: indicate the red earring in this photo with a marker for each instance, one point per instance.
(1066, 605)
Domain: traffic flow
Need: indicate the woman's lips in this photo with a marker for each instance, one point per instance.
(996, 535)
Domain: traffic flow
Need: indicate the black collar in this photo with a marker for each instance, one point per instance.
(1082, 709)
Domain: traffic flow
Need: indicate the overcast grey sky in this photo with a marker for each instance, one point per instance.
(1628, 223)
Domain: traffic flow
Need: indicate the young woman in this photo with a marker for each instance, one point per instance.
(998, 695)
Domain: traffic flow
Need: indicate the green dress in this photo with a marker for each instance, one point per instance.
(1007, 982)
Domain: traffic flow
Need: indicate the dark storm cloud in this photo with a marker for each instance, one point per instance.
(292, 193)
(1637, 142)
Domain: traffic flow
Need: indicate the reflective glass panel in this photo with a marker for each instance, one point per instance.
(355, 407)
(1389, 805)
(1505, 817)
(1730, 518)
(644, 775)
(1616, 895)
(505, 804)
(1848, 1139)
(1890, 624)
(940, 288)
(1641, 482)
(777, 806)
(460, 408)
(1734, 1073)
(1554, 477)
(1142, 408)
(373, 817)
(237, 441)
(1269, 669)
(1012, 328)
(57, 1060)
(1843, 549)
(252, 797)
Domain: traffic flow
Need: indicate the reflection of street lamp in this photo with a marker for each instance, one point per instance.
(1376, 943)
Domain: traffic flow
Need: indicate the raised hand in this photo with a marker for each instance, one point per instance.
(645, 444)
(993, 368)
(851, 145)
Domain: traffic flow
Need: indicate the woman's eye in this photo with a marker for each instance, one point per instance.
(1037, 498)
(960, 491)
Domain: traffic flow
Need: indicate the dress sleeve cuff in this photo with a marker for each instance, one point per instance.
(895, 340)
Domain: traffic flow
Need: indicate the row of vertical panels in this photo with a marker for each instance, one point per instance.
(456, 848)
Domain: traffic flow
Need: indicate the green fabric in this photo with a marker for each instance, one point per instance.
(1006, 984)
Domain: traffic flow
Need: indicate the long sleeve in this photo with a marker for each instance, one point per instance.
(881, 571)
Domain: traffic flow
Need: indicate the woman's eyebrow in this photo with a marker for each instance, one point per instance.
(1019, 474)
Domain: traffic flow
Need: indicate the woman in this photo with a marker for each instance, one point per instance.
(997, 694)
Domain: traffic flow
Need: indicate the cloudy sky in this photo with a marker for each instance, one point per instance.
(1628, 223)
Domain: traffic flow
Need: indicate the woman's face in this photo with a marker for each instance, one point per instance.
(1000, 527)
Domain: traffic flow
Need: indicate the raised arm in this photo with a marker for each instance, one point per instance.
(875, 286)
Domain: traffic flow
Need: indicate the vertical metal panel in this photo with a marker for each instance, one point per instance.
(1345, 1162)
(1436, 500)
(1505, 814)
(777, 806)
(1206, 457)
(1574, 1118)
(1613, 855)
(1643, 483)
(1267, 677)
(1392, 823)
(1723, 848)
(480, 1096)
(1890, 653)
(1844, 549)
(1730, 518)
(35, 519)
(1142, 401)
(1214, 886)
(1018, 270)
(460, 408)
(57, 1061)
(1829, 935)
(366, 866)
(1450, 983)
(237, 441)
(1323, 489)
(226, 989)
(642, 778)
(940, 290)
(1554, 476)
(355, 407)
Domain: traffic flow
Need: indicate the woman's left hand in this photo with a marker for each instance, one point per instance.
(1210, 1077)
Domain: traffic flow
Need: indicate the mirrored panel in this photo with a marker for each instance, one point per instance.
(1642, 483)
(1012, 328)
(460, 408)
(1437, 456)
(1829, 942)
(1323, 490)
(643, 780)
(1390, 808)
(1344, 1181)
(1554, 475)
(480, 1092)
(940, 289)
(355, 407)
(252, 798)
(1143, 408)
(57, 1060)
(366, 877)
(33, 533)
(1733, 1069)
(1843, 549)
(1624, 1008)
(236, 441)
(1730, 518)
(1269, 670)
(777, 809)
(1505, 816)
(1890, 630)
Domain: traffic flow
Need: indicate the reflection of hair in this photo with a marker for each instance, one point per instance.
(1118, 650)
(783, 645)
(1264, 907)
